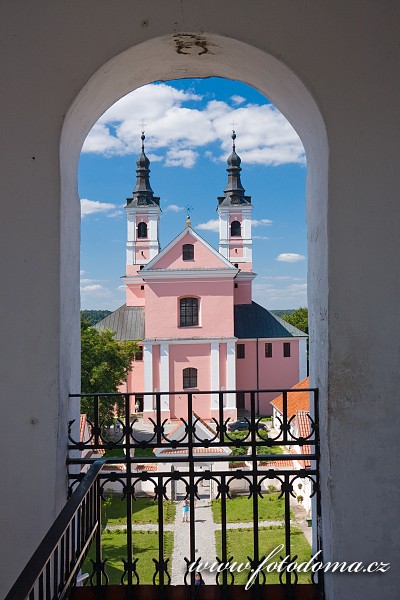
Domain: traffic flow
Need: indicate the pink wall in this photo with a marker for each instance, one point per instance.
(162, 308)
(134, 295)
(198, 357)
(203, 257)
(132, 269)
(243, 293)
(275, 372)
(236, 249)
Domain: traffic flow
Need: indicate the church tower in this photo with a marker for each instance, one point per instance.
(234, 210)
(143, 216)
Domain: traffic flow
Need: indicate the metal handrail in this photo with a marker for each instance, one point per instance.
(40, 558)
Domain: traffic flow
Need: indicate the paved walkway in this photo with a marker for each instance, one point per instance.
(205, 542)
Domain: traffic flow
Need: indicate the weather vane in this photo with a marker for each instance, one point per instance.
(188, 211)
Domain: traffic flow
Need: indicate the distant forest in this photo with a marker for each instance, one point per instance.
(94, 316)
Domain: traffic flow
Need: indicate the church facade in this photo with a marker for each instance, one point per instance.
(190, 308)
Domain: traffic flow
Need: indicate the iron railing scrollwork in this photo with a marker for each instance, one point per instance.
(178, 469)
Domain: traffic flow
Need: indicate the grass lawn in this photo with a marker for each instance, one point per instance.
(144, 452)
(240, 546)
(240, 509)
(144, 510)
(269, 450)
(115, 453)
(145, 548)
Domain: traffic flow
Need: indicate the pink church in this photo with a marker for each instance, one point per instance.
(190, 307)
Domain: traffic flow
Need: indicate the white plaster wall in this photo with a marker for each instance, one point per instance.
(347, 56)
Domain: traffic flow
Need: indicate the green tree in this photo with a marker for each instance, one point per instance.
(298, 318)
(105, 363)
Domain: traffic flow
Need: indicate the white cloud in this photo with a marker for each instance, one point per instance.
(258, 222)
(264, 135)
(260, 237)
(96, 289)
(289, 257)
(181, 158)
(93, 207)
(289, 296)
(173, 208)
(238, 99)
(212, 225)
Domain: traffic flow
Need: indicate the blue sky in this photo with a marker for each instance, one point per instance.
(188, 125)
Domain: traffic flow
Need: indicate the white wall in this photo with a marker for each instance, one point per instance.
(340, 56)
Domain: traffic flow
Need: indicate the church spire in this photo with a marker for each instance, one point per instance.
(234, 191)
(143, 195)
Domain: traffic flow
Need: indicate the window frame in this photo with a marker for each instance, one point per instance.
(242, 353)
(286, 350)
(192, 316)
(236, 229)
(138, 354)
(268, 350)
(188, 252)
(189, 378)
(144, 225)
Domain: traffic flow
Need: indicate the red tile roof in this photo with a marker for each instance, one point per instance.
(214, 450)
(277, 463)
(295, 401)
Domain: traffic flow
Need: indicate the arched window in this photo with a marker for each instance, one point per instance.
(142, 230)
(188, 252)
(189, 378)
(236, 229)
(188, 312)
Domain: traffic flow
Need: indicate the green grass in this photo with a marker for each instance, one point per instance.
(269, 450)
(115, 453)
(145, 548)
(240, 509)
(144, 452)
(144, 510)
(265, 419)
(240, 546)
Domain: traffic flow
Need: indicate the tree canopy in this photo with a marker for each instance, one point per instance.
(105, 363)
(298, 318)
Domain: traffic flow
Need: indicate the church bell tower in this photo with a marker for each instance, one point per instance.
(143, 216)
(235, 210)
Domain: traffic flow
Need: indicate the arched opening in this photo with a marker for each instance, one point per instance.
(236, 230)
(142, 230)
(259, 70)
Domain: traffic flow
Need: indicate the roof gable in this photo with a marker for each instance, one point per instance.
(205, 256)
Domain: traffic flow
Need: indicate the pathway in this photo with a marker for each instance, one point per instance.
(205, 542)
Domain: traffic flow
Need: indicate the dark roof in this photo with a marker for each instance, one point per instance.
(126, 321)
(255, 321)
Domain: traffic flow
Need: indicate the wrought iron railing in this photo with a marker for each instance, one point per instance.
(57, 563)
(182, 464)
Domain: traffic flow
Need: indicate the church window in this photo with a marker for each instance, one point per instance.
(286, 349)
(240, 351)
(139, 353)
(236, 229)
(142, 230)
(188, 312)
(268, 350)
(189, 378)
(188, 252)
